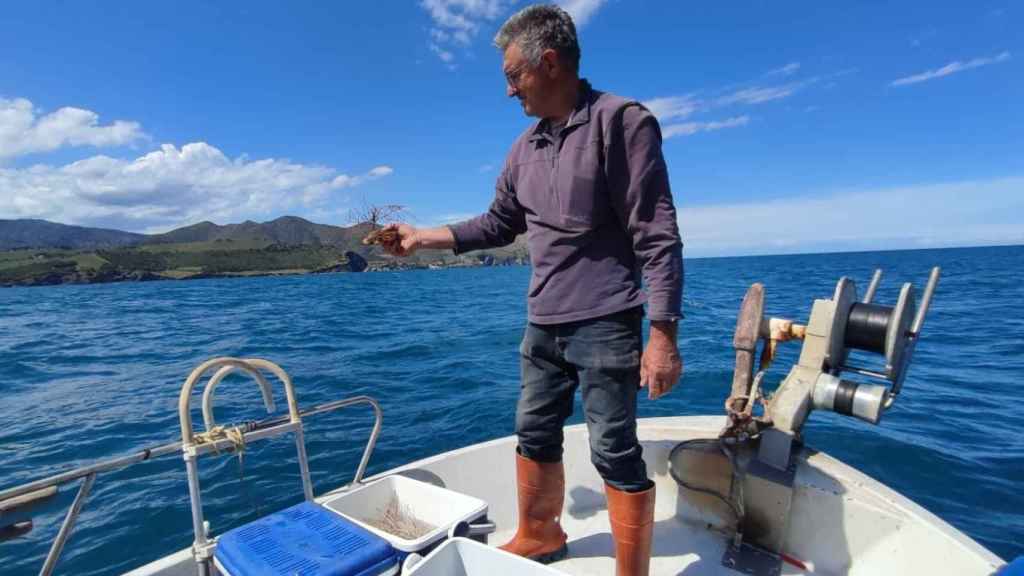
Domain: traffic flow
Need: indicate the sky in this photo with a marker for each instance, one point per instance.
(788, 127)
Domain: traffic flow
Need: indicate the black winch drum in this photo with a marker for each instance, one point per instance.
(867, 327)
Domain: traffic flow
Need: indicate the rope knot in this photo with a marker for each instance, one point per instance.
(234, 434)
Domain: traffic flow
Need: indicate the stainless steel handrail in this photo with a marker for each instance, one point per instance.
(91, 471)
(194, 446)
(95, 468)
(265, 390)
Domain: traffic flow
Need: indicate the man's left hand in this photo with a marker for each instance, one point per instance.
(661, 365)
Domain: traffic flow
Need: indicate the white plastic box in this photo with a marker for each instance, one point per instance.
(439, 507)
(465, 557)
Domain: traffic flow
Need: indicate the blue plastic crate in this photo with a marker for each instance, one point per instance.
(307, 540)
(1015, 568)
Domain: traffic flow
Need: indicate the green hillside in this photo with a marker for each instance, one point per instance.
(30, 233)
(284, 246)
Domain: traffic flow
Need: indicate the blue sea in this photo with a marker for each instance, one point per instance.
(93, 371)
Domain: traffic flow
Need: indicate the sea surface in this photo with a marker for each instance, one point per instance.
(93, 371)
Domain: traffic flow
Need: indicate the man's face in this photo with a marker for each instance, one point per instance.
(530, 84)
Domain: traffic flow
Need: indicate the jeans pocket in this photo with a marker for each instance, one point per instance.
(536, 342)
(608, 343)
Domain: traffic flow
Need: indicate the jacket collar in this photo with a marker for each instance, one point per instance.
(580, 114)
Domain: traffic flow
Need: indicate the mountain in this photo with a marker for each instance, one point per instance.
(286, 230)
(42, 234)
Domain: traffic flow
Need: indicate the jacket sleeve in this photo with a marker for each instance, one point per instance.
(642, 200)
(499, 226)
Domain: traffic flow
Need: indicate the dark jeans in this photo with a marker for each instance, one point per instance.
(601, 356)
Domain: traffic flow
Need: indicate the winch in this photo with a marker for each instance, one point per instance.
(835, 328)
(759, 447)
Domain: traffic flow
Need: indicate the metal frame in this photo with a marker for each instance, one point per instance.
(69, 523)
(251, 431)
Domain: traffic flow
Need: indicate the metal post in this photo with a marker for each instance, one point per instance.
(875, 279)
(67, 526)
(926, 300)
(300, 447)
(378, 417)
(195, 498)
(865, 372)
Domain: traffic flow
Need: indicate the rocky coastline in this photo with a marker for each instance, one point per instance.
(69, 275)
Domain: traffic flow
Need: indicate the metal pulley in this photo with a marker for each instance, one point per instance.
(890, 331)
(850, 398)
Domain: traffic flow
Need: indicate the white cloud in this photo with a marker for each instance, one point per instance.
(452, 17)
(169, 187)
(961, 213)
(673, 107)
(759, 94)
(25, 130)
(445, 55)
(669, 108)
(951, 68)
(453, 218)
(688, 128)
(379, 172)
(786, 70)
(581, 10)
(458, 22)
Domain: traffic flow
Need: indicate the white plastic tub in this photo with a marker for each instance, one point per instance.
(465, 557)
(439, 507)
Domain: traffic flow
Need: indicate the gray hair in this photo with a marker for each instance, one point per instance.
(538, 28)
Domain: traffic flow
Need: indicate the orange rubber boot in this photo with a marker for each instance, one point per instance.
(541, 493)
(631, 515)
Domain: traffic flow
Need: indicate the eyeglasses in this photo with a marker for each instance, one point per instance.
(514, 75)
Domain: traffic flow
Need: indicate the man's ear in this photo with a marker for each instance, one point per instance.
(552, 64)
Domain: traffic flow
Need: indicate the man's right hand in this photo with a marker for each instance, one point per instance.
(406, 240)
(409, 239)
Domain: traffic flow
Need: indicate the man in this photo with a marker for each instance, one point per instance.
(588, 185)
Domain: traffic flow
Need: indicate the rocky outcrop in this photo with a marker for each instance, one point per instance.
(356, 263)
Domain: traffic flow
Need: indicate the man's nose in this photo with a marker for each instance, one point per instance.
(511, 90)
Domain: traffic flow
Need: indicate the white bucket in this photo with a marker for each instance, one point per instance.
(465, 557)
(438, 507)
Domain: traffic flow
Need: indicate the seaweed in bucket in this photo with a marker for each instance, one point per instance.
(398, 519)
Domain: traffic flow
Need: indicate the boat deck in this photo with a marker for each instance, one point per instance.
(842, 522)
(678, 549)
